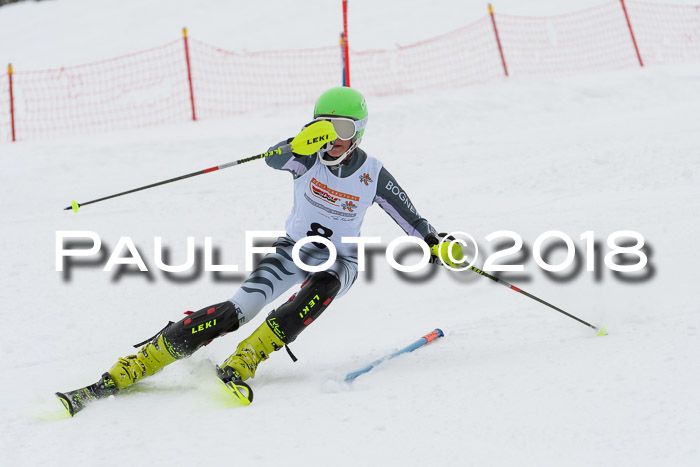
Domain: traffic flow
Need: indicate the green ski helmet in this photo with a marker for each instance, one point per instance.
(346, 109)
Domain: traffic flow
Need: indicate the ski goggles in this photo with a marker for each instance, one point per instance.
(345, 128)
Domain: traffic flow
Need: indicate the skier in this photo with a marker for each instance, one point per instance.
(332, 190)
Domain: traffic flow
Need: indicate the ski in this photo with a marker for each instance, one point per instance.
(74, 401)
(77, 400)
(431, 336)
(241, 392)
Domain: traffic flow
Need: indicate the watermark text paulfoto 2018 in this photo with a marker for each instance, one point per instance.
(627, 245)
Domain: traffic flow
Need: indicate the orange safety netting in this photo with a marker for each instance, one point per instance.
(153, 86)
(666, 33)
(465, 56)
(596, 39)
(227, 82)
(135, 90)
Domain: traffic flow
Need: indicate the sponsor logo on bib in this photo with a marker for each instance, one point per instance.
(321, 191)
(366, 179)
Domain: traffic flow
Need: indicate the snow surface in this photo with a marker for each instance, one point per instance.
(512, 383)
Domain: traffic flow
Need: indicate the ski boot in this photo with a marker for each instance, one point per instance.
(75, 401)
(241, 365)
(281, 327)
(257, 348)
(150, 359)
(174, 342)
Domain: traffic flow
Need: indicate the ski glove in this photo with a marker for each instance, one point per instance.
(433, 241)
(314, 136)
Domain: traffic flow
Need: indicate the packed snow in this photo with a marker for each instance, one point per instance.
(511, 383)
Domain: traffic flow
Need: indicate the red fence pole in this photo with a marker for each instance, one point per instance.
(629, 25)
(498, 40)
(12, 102)
(345, 43)
(189, 71)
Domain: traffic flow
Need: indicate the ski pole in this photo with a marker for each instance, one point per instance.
(307, 142)
(601, 332)
(431, 336)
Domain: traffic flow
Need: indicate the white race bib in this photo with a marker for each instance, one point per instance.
(333, 207)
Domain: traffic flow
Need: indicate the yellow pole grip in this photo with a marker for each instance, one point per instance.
(9, 68)
(490, 9)
(184, 32)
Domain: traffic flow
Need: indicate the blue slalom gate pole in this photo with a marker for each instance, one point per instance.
(431, 336)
